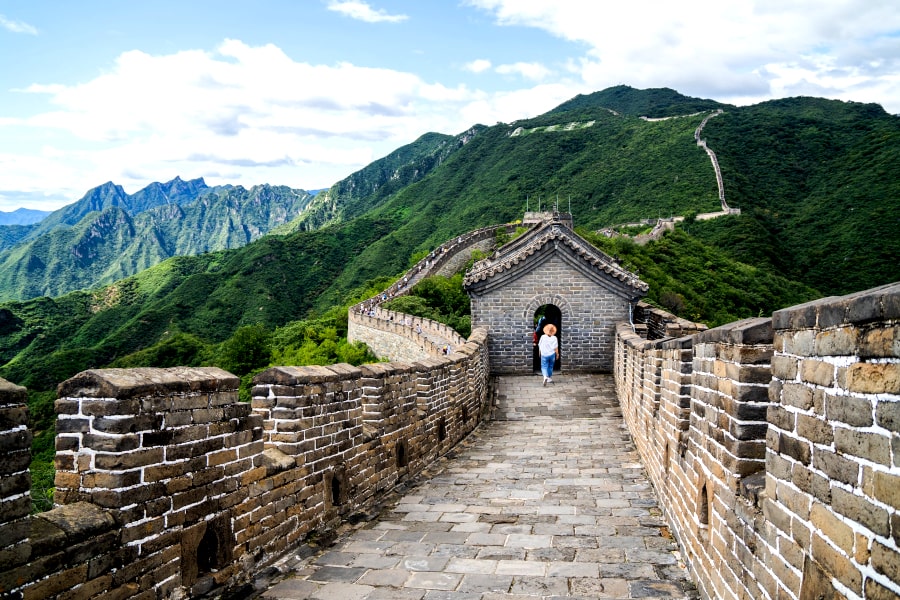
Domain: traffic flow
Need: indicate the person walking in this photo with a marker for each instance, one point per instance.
(549, 349)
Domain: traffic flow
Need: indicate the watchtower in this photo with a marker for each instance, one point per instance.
(551, 272)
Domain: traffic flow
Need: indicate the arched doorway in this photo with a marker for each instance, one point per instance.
(547, 313)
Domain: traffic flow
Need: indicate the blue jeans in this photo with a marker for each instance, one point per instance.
(547, 364)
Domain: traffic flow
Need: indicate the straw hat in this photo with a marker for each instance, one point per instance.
(550, 329)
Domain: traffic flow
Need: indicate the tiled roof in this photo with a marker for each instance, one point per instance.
(521, 249)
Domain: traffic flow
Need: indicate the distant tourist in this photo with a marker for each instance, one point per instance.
(549, 348)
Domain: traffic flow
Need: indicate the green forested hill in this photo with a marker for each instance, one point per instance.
(109, 235)
(373, 184)
(817, 183)
(612, 168)
(270, 282)
(654, 103)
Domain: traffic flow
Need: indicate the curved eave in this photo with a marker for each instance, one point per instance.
(498, 273)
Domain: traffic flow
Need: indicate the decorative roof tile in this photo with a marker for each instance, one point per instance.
(520, 249)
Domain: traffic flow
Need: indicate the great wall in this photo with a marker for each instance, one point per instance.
(773, 445)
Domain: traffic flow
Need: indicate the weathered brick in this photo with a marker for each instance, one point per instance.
(836, 466)
(887, 415)
(871, 446)
(874, 378)
(797, 395)
(781, 418)
(886, 560)
(876, 591)
(852, 410)
(860, 509)
(815, 430)
(812, 483)
(826, 522)
(837, 342)
(817, 372)
(881, 342)
(801, 342)
(887, 488)
(784, 368)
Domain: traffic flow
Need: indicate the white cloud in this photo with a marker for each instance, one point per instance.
(479, 65)
(240, 114)
(17, 26)
(752, 50)
(363, 12)
(533, 71)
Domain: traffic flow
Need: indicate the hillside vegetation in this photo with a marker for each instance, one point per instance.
(373, 184)
(108, 234)
(817, 182)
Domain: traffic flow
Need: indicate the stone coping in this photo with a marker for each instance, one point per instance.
(757, 330)
(876, 304)
(123, 384)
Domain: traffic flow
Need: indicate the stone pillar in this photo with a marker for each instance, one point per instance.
(170, 453)
(731, 375)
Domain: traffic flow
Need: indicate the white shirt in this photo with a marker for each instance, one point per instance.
(548, 345)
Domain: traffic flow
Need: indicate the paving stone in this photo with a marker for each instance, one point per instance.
(518, 540)
(551, 554)
(385, 577)
(573, 569)
(424, 563)
(389, 593)
(409, 548)
(521, 567)
(442, 595)
(375, 561)
(446, 537)
(341, 559)
(341, 574)
(431, 580)
(547, 500)
(291, 589)
(456, 550)
(341, 591)
(501, 553)
(487, 539)
(540, 586)
(402, 535)
(655, 589)
(485, 583)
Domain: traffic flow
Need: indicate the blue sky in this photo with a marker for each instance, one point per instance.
(305, 92)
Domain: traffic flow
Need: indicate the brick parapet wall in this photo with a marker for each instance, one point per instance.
(833, 456)
(785, 484)
(397, 336)
(169, 487)
(661, 324)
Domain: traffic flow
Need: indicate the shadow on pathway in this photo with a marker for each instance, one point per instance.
(546, 500)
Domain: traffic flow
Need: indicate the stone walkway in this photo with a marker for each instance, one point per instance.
(547, 500)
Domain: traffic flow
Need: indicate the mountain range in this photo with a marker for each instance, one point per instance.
(22, 216)
(814, 179)
(108, 234)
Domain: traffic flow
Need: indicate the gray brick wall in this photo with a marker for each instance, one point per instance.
(589, 313)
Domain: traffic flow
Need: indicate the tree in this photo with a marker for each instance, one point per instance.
(248, 349)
